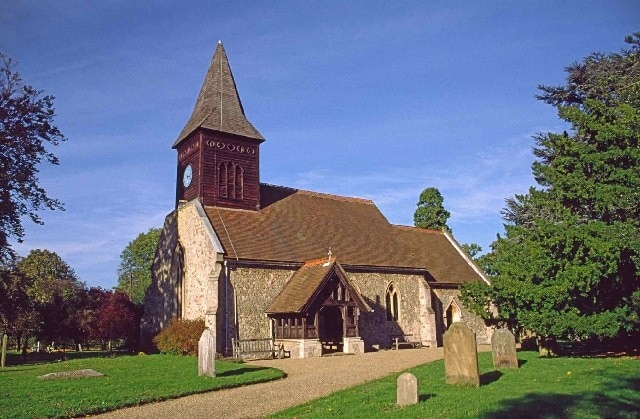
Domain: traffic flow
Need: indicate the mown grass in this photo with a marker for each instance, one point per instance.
(128, 380)
(541, 387)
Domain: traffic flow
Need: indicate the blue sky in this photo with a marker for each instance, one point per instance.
(375, 99)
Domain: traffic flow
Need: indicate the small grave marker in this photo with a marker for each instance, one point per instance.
(407, 392)
(461, 356)
(503, 349)
(4, 351)
(207, 354)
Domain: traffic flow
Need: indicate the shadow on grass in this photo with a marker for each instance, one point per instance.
(621, 399)
(521, 362)
(16, 359)
(239, 371)
(425, 397)
(489, 377)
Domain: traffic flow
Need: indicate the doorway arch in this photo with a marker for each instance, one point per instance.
(331, 327)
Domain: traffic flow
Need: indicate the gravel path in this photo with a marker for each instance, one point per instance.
(307, 379)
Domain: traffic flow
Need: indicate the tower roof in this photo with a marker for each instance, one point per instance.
(218, 106)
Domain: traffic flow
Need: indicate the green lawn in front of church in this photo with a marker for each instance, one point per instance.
(127, 381)
(541, 387)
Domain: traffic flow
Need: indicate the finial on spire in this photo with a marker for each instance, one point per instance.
(330, 254)
(219, 41)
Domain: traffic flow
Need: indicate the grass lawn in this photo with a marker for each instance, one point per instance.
(128, 380)
(541, 387)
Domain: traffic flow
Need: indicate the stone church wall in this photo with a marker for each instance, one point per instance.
(160, 303)
(201, 263)
(445, 297)
(375, 329)
(184, 273)
(243, 303)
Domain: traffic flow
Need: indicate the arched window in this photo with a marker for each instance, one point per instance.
(392, 301)
(453, 313)
(239, 178)
(178, 263)
(230, 180)
(222, 179)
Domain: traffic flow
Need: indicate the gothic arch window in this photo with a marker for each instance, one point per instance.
(230, 180)
(178, 256)
(392, 300)
(453, 313)
(239, 179)
(222, 179)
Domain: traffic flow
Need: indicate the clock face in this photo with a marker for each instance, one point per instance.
(187, 176)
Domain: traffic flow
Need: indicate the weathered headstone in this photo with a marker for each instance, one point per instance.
(503, 349)
(407, 392)
(3, 357)
(207, 354)
(461, 356)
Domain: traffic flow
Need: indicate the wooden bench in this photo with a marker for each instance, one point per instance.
(257, 349)
(405, 340)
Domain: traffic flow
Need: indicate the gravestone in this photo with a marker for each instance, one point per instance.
(503, 349)
(207, 354)
(407, 392)
(461, 356)
(3, 356)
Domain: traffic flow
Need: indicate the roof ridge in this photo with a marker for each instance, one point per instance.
(413, 228)
(319, 261)
(322, 194)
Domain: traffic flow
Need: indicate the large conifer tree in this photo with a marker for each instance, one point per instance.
(568, 265)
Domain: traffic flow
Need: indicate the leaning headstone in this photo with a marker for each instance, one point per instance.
(3, 357)
(207, 354)
(461, 356)
(503, 349)
(407, 392)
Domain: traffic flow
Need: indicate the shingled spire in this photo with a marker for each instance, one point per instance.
(218, 106)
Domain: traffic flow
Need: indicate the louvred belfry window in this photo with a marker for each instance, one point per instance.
(230, 180)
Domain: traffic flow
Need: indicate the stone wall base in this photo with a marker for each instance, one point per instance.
(301, 348)
(430, 343)
(353, 345)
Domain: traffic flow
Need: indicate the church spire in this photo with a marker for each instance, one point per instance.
(218, 106)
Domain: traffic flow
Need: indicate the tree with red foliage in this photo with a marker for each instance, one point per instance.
(118, 319)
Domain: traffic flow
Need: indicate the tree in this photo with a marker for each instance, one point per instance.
(53, 288)
(83, 322)
(18, 315)
(118, 319)
(568, 265)
(472, 249)
(430, 212)
(134, 272)
(26, 126)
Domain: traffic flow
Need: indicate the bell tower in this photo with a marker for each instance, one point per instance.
(219, 149)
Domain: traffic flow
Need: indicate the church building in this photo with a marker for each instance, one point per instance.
(313, 271)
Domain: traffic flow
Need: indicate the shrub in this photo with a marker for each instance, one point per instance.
(180, 337)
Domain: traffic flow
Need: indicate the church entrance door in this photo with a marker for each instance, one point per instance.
(330, 329)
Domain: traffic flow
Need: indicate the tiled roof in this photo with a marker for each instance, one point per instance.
(298, 226)
(218, 106)
(305, 283)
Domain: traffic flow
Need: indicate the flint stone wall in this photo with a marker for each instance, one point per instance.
(415, 306)
(444, 296)
(160, 302)
(184, 273)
